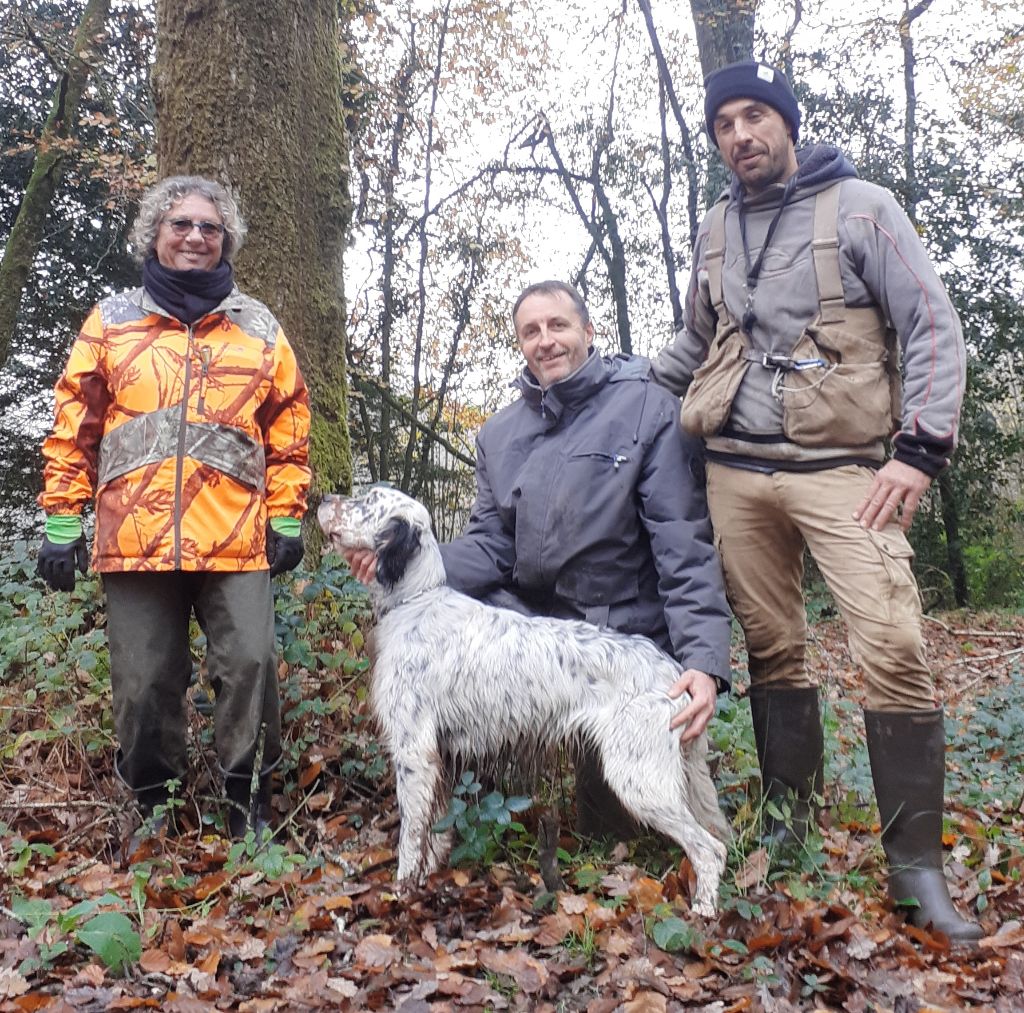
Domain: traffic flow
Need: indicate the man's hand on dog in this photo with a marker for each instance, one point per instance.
(702, 690)
(362, 563)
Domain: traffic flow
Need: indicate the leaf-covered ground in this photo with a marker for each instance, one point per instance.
(312, 920)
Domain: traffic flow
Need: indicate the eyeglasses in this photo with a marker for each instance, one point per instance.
(183, 226)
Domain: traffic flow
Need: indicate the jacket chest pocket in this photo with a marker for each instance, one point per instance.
(593, 486)
(601, 459)
(228, 376)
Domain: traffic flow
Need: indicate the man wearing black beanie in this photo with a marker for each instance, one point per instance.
(750, 79)
(808, 284)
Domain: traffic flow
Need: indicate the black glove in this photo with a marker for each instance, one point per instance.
(283, 552)
(56, 563)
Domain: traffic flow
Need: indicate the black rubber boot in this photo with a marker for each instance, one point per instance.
(152, 824)
(247, 812)
(908, 764)
(790, 751)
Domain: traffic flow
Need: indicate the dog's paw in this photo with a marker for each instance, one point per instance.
(704, 908)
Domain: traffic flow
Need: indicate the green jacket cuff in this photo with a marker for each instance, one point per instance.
(63, 529)
(290, 527)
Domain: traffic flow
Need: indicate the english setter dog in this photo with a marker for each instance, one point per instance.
(457, 679)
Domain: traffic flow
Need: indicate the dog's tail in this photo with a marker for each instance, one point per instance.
(700, 789)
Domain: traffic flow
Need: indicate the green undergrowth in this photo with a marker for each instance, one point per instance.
(55, 715)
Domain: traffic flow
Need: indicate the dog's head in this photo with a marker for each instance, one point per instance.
(397, 529)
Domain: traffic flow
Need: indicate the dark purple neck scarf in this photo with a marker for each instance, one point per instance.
(187, 295)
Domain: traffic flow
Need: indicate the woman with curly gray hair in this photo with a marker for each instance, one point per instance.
(157, 202)
(182, 413)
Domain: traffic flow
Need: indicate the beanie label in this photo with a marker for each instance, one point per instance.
(765, 73)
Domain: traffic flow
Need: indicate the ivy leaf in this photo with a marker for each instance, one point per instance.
(112, 937)
(673, 935)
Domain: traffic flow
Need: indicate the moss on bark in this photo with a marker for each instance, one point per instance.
(251, 94)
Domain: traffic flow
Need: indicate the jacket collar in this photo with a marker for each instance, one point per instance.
(232, 301)
(576, 388)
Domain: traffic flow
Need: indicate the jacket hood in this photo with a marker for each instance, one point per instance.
(818, 166)
(821, 163)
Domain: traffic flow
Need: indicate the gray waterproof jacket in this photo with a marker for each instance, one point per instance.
(883, 263)
(590, 505)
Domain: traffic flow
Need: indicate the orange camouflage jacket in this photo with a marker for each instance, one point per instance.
(189, 437)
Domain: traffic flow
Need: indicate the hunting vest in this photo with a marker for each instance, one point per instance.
(839, 382)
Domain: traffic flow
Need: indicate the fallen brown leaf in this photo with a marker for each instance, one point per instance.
(646, 1002)
(377, 951)
(754, 870)
(528, 973)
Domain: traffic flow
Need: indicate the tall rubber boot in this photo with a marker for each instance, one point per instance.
(790, 751)
(245, 811)
(152, 826)
(908, 765)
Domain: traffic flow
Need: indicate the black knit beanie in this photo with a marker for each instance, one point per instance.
(750, 79)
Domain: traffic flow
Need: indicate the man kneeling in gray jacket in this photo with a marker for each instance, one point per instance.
(590, 505)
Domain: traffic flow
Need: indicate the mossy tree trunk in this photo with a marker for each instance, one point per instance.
(251, 95)
(48, 168)
(725, 31)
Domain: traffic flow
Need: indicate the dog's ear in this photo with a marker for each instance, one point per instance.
(397, 543)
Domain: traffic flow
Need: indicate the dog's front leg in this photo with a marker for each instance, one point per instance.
(418, 776)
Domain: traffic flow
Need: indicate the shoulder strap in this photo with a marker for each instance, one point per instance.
(714, 256)
(825, 250)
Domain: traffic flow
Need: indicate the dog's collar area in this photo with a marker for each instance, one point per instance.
(383, 610)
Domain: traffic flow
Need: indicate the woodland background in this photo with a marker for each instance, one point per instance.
(405, 168)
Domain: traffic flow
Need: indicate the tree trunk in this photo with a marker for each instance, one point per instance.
(251, 95)
(725, 31)
(668, 95)
(725, 34)
(392, 248)
(27, 232)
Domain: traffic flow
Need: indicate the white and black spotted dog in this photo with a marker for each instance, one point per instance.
(454, 678)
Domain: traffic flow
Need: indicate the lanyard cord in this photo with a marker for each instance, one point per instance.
(754, 270)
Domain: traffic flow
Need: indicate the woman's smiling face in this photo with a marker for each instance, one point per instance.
(192, 251)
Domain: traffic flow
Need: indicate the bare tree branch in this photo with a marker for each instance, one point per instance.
(421, 284)
(665, 79)
(364, 382)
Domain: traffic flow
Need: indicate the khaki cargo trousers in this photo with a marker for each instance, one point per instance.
(762, 523)
(151, 666)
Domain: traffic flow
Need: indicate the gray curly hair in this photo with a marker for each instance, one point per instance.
(160, 198)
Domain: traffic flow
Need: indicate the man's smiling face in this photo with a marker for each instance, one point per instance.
(552, 336)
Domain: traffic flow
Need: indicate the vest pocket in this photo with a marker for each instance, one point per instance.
(846, 400)
(708, 399)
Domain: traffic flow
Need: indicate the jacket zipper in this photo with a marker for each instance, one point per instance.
(615, 459)
(179, 464)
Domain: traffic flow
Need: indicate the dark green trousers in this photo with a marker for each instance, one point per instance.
(150, 668)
